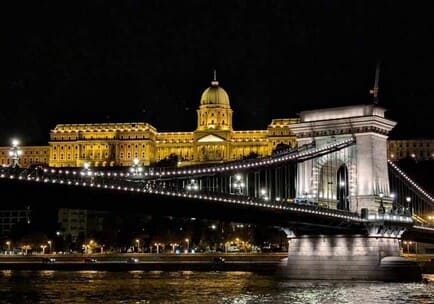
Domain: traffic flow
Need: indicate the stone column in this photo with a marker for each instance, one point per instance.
(304, 172)
(372, 173)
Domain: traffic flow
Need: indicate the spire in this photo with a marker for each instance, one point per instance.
(374, 91)
(214, 82)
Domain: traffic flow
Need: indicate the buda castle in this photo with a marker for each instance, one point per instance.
(119, 144)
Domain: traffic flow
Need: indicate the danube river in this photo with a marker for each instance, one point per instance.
(197, 287)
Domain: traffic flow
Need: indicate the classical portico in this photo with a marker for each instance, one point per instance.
(354, 177)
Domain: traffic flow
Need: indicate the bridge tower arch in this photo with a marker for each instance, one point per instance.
(365, 172)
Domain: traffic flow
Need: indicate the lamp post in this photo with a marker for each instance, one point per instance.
(43, 248)
(14, 153)
(408, 199)
(264, 194)
(138, 245)
(392, 197)
(9, 245)
(188, 244)
(49, 246)
(158, 247)
(192, 185)
(238, 184)
(381, 209)
(136, 169)
(173, 246)
(86, 169)
(26, 248)
(408, 243)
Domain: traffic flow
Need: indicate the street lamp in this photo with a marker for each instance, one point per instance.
(158, 247)
(408, 243)
(264, 194)
(392, 197)
(43, 248)
(138, 245)
(9, 245)
(381, 209)
(188, 244)
(14, 153)
(174, 245)
(26, 248)
(192, 185)
(136, 169)
(86, 169)
(49, 248)
(238, 184)
(408, 199)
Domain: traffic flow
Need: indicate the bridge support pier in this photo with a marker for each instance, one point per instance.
(342, 257)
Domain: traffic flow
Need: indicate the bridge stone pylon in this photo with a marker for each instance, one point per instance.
(354, 177)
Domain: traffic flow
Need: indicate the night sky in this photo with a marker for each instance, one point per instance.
(123, 61)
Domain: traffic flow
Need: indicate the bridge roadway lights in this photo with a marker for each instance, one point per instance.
(369, 257)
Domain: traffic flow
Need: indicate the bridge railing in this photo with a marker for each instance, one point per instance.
(410, 194)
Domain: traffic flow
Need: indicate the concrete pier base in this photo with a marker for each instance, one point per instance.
(347, 258)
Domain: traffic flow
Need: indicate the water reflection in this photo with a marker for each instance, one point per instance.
(197, 287)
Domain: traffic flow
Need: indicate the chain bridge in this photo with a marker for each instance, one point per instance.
(343, 206)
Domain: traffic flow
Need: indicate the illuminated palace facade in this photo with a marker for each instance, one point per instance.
(118, 144)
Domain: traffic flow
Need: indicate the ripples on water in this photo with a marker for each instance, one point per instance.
(141, 287)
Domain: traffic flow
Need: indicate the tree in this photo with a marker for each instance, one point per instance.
(251, 155)
(280, 147)
(169, 161)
